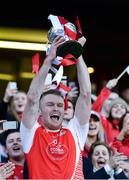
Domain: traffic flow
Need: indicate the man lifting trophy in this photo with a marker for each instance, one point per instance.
(62, 27)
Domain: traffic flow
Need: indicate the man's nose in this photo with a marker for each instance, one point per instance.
(55, 107)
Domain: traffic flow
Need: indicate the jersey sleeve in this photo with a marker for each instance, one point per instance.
(27, 136)
(79, 132)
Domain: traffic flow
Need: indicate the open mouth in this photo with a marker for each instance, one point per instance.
(101, 163)
(16, 148)
(65, 113)
(92, 128)
(55, 117)
(20, 105)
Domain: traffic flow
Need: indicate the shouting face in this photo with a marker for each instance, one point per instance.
(13, 145)
(100, 156)
(19, 102)
(52, 109)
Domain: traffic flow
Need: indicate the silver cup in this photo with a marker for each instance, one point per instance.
(69, 46)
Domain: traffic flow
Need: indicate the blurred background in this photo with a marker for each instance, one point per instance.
(105, 24)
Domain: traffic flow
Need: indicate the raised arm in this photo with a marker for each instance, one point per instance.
(9, 93)
(31, 112)
(104, 95)
(83, 105)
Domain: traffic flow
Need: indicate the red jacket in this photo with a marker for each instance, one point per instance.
(122, 146)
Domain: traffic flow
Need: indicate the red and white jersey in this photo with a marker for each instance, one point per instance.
(54, 154)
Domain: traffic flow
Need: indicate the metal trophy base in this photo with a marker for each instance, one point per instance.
(70, 47)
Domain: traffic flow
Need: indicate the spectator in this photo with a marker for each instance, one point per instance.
(12, 142)
(125, 166)
(68, 114)
(117, 110)
(72, 97)
(121, 142)
(13, 104)
(106, 105)
(95, 133)
(101, 104)
(102, 164)
(11, 109)
(3, 154)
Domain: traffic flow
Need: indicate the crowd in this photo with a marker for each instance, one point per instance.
(87, 140)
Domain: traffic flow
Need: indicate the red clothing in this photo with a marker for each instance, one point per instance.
(86, 151)
(54, 155)
(122, 146)
(110, 131)
(20, 116)
(18, 173)
(104, 94)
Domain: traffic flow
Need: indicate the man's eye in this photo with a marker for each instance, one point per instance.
(50, 104)
(10, 141)
(60, 105)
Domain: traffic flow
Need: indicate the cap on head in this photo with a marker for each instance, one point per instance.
(118, 101)
(96, 115)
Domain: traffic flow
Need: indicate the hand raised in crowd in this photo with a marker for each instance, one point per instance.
(6, 170)
(125, 166)
(124, 131)
(73, 92)
(9, 92)
(112, 83)
(116, 158)
(1, 126)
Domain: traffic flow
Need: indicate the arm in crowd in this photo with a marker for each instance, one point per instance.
(103, 95)
(9, 93)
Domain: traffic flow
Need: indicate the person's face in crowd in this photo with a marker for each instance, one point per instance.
(94, 126)
(13, 146)
(68, 114)
(106, 103)
(118, 110)
(19, 101)
(52, 109)
(100, 156)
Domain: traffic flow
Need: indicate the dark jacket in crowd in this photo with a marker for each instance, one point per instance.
(99, 174)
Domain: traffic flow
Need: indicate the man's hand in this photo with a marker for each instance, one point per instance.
(59, 40)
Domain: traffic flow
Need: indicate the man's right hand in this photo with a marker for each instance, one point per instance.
(59, 40)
